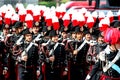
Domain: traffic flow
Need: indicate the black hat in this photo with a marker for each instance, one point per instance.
(62, 29)
(99, 35)
(72, 30)
(65, 29)
(87, 32)
(5, 26)
(18, 25)
(77, 29)
(52, 33)
(26, 31)
(47, 33)
(44, 29)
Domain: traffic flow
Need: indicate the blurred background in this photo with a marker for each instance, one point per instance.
(48, 3)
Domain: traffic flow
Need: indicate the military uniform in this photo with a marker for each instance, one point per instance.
(11, 42)
(93, 52)
(3, 61)
(54, 70)
(110, 74)
(26, 70)
(6, 39)
(39, 41)
(78, 65)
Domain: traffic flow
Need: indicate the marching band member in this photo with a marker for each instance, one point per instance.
(55, 64)
(78, 64)
(107, 67)
(3, 58)
(39, 41)
(28, 62)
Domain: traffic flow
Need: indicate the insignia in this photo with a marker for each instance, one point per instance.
(6, 26)
(36, 23)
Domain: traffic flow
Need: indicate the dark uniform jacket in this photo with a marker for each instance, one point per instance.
(3, 59)
(81, 56)
(110, 72)
(33, 57)
(59, 53)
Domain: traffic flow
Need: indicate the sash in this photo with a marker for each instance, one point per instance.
(2, 37)
(37, 38)
(52, 50)
(81, 46)
(107, 66)
(45, 44)
(116, 68)
(30, 45)
(18, 42)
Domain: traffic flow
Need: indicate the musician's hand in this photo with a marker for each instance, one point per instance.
(24, 58)
(52, 58)
(43, 44)
(4, 72)
(65, 73)
(9, 35)
(19, 43)
(88, 77)
(75, 52)
(38, 73)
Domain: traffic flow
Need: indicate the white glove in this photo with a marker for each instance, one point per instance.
(88, 77)
(44, 44)
(9, 35)
(19, 43)
(38, 39)
(38, 73)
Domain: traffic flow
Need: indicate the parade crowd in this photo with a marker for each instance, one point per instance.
(43, 43)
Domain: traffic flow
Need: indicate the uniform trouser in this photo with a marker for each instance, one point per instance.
(23, 75)
(1, 72)
(55, 74)
(40, 77)
(1, 76)
(12, 74)
(77, 72)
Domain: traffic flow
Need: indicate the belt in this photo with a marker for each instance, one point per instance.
(31, 66)
(57, 66)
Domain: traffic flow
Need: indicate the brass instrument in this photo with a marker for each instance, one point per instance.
(7, 42)
(15, 48)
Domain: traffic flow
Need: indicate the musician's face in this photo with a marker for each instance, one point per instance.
(79, 36)
(100, 40)
(5, 31)
(35, 30)
(88, 37)
(118, 45)
(55, 38)
(73, 35)
(28, 37)
(20, 29)
(64, 35)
